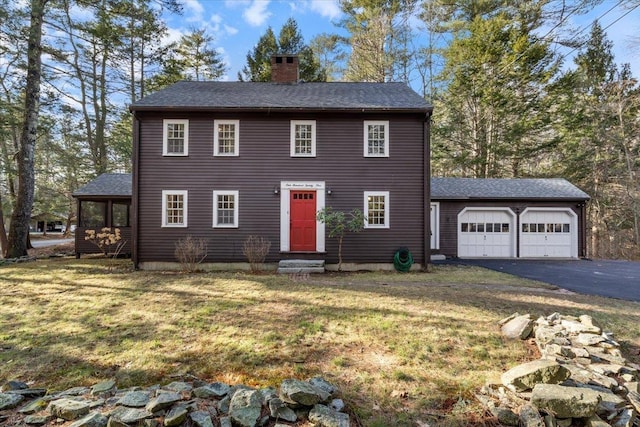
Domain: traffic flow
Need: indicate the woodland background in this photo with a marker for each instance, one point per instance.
(517, 92)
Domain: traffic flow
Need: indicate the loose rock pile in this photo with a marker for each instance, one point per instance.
(581, 378)
(180, 403)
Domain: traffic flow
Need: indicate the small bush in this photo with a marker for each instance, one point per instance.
(108, 241)
(256, 250)
(190, 252)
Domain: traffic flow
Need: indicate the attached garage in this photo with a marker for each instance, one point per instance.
(508, 218)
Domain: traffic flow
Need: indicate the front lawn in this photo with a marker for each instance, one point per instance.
(404, 349)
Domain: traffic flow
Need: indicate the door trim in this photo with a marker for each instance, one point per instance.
(434, 218)
(285, 211)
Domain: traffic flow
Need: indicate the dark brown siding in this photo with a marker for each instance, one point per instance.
(449, 211)
(263, 162)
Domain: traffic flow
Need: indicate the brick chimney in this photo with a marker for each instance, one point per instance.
(284, 68)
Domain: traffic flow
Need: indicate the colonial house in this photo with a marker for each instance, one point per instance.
(223, 161)
(469, 218)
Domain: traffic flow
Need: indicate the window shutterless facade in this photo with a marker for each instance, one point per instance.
(226, 138)
(174, 208)
(376, 138)
(376, 209)
(175, 137)
(303, 138)
(225, 209)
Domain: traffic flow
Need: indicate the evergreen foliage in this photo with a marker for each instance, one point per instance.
(289, 41)
(508, 103)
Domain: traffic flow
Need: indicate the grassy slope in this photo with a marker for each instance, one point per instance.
(402, 348)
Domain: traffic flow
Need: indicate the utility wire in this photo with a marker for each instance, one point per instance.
(604, 29)
(507, 66)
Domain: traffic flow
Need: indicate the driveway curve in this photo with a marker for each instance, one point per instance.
(50, 242)
(607, 278)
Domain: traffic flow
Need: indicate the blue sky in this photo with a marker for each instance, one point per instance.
(238, 24)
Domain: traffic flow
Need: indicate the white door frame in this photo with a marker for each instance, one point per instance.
(434, 217)
(285, 212)
(512, 225)
(574, 225)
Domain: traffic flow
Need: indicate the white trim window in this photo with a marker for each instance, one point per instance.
(226, 138)
(175, 137)
(376, 209)
(174, 208)
(225, 209)
(376, 138)
(303, 138)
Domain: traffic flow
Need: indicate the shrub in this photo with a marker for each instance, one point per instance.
(190, 252)
(338, 223)
(256, 250)
(108, 241)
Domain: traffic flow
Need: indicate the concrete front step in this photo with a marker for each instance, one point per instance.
(292, 266)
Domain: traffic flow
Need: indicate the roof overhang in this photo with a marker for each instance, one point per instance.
(201, 109)
(510, 199)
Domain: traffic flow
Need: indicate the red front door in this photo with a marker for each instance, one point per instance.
(303, 221)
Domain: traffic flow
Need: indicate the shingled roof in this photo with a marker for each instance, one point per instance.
(496, 188)
(252, 96)
(107, 185)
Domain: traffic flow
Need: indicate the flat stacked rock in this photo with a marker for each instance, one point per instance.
(180, 403)
(580, 379)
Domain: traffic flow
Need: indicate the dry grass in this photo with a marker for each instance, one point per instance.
(403, 348)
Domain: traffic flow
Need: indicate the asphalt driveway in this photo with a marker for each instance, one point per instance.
(607, 278)
(49, 242)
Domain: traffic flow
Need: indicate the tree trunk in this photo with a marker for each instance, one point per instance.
(19, 227)
(340, 253)
(4, 243)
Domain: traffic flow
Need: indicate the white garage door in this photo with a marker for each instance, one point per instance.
(486, 232)
(548, 233)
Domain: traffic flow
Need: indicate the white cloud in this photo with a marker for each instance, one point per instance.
(257, 14)
(328, 8)
(194, 7)
(230, 30)
(215, 19)
(173, 35)
(236, 3)
(227, 62)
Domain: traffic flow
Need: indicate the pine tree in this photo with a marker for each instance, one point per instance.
(597, 105)
(493, 118)
(289, 41)
(19, 228)
(379, 39)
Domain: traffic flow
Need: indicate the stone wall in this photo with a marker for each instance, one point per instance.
(581, 378)
(180, 403)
